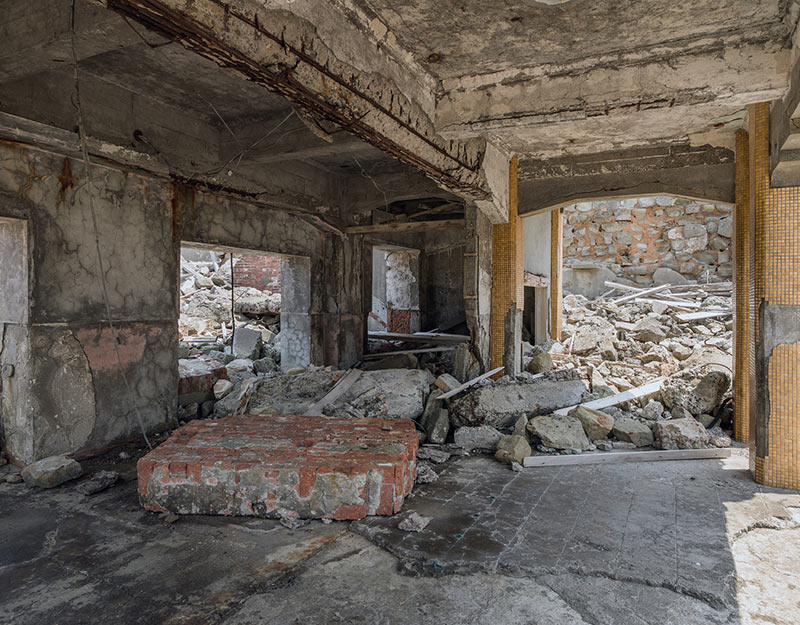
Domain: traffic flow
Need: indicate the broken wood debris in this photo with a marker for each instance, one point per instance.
(619, 398)
(616, 457)
(420, 337)
(472, 382)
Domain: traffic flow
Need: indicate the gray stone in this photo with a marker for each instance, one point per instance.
(437, 456)
(633, 431)
(13, 478)
(98, 482)
(692, 230)
(653, 410)
(265, 365)
(595, 334)
(681, 434)
(438, 427)
(247, 343)
(414, 522)
(559, 432)
(725, 227)
(500, 404)
(447, 382)
(240, 365)
(649, 330)
(521, 426)
(51, 471)
(663, 275)
(679, 412)
(206, 409)
(512, 449)
(425, 473)
(596, 424)
(705, 419)
(481, 438)
(718, 438)
(540, 362)
(706, 395)
(222, 388)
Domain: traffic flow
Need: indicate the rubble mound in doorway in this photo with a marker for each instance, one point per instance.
(279, 465)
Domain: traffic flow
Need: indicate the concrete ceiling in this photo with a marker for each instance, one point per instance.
(471, 37)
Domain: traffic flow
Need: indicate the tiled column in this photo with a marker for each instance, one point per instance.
(744, 319)
(556, 265)
(775, 440)
(507, 269)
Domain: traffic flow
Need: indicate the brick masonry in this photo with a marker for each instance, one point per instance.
(198, 375)
(257, 465)
(258, 272)
(634, 237)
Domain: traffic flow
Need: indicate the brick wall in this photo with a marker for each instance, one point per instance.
(258, 272)
(635, 237)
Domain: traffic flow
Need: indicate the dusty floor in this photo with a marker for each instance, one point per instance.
(662, 543)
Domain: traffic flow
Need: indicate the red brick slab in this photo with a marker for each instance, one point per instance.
(256, 465)
(198, 375)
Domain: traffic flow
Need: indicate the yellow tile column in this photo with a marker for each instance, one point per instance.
(775, 440)
(744, 318)
(556, 263)
(507, 267)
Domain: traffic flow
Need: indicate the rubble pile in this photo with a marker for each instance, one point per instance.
(206, 301)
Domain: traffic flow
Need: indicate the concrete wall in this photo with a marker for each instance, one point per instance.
(258, 272)
(443, 270)
(68, 390)
(537, 243)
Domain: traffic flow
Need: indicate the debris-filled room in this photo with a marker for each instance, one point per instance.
(409, 313)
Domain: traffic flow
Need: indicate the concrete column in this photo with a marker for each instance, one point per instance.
(538, 246)
(507, 274)
(402, 291)
(478, 281)
(295, 312)
(775, 440)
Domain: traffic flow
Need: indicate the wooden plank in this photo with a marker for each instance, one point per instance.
(615, 457)
(449, 339)
(619, 398)
(541, 310)
(339, 389)
(425, 350)
(704, 315)
(472, 382)
(623, 287)
(647, 300)
(407, 226)
(632, 296)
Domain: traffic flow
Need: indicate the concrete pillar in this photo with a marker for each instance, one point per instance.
(744, 311)
(478, 282)
(775, 440)
(538, 247)
(507, 272)
(295, 312)
(556, 273)
(402, 290)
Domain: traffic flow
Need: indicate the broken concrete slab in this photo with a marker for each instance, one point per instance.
(247, 343)
(681, 434)
(560, 432)
(318, 467)
(698, 398)
(596, 424)
(513, 449)
(197, 377)
(447, 382)
(51, 472)
(500, 404)
(633, 431)
(481, 438)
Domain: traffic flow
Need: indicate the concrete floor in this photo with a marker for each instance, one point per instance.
(661, 543)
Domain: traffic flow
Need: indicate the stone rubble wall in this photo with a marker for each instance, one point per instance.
(635, 237)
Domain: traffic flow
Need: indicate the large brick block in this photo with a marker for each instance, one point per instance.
(198, 375)
(320, 467)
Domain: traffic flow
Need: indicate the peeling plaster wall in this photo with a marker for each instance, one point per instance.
(478, 281)
(68, 389)
(69, 392)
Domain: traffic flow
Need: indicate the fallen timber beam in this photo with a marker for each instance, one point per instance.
(618, 457)
(472, 382)
(619, 398)
(447, 339)
(407, 226)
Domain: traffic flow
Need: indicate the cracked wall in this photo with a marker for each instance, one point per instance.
(67, 391)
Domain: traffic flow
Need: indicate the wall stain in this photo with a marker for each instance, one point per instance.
(65, 180)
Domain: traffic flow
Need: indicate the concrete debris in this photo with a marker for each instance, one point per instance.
(425, 473)
(447, 382)
(596, 424)
(698, 398)
(633, 431)
(290, 519)
(540, 361)
(513, 449)
(718, 438)
(247, 343)
(465, 365)
(681, 434)
(559, 432)
(432, 454)
(414, 522)
(653, 410)
(438, 426)
(51, 472)
(98, 482)
(500, 403)
(481, 438)
(222, 388)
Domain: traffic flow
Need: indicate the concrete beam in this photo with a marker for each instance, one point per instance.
(785, 135)
(283, 51)
(703, 172)
(731, 70)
